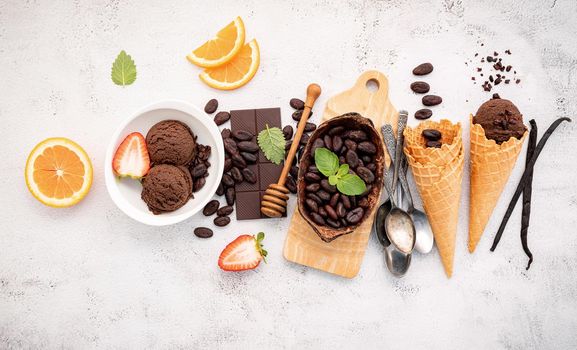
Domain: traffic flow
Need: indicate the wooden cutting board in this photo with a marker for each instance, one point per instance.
(344, 255)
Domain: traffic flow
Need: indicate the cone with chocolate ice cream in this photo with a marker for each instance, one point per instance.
(438, 173)
(497, 135)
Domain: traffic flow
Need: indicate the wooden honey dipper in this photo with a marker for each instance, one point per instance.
(274, 201)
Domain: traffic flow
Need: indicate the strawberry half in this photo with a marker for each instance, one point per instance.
(131, 158)
(244, 253)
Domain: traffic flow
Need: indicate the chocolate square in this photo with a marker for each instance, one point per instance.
(264, 117)
(246, 186)
(243, 120)
(248, 205)
(269, 174)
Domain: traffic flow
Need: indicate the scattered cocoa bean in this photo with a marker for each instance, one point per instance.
(203, 232)
(221, 221)
(210, 207)
(242, 135)
(288, 132)
(431, 100)
(211, 106)
(423, 69)
(248, 146)
(236, 174)
(221, 118)
(225, 211)
(230, 195)
(297, 103)
(249, 176)
(424, 113)
(420, 87)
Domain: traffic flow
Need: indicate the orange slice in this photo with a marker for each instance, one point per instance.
(58, 172)
(220, 49)
(235, 73)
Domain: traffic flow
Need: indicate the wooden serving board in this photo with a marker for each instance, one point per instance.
(344, 255)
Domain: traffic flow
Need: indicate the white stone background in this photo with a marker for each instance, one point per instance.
(90, 277)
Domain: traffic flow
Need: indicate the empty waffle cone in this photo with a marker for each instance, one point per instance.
(491, 165)
(439, 185)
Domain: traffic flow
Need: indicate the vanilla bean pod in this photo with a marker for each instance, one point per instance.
(525, 178)
(527, 191)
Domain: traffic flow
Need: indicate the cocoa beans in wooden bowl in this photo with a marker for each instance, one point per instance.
(340, 175)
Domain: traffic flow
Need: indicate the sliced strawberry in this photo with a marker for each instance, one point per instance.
(244, 253)
(131, 157)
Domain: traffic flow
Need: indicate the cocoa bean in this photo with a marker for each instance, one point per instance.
(221, 118)
(423, 69)
(225, 211)
(203, 232)
(420, 87)
(210, 208)
(211, 106)
(242, 135)
(221, 221)
(230, 195)
(248, 146)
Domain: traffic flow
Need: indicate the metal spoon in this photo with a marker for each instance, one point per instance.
(397, 262)
(398, 224)
(424, 234)
(384, 210)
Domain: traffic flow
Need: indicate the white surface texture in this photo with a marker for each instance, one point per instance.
(91, 277)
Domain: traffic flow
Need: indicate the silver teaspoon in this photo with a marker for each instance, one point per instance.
(399, 226)
(424, 233)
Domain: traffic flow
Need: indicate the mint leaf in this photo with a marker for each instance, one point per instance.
(271, 141)
(123, 70)
(351, 185)
(326, 161)
(333, 180)
(343, 170)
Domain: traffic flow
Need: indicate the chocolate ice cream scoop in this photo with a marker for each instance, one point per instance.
(166, 188)
(171, 142)
(500, 120)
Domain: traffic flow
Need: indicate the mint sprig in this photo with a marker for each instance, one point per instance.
(328, 164)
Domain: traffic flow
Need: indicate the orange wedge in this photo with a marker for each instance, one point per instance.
(220, 49)
(58, 172)
(235, 73)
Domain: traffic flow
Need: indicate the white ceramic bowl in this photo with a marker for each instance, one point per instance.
(126, 192)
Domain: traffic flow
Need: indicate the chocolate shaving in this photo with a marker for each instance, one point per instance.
(525, 178)
(527, 190)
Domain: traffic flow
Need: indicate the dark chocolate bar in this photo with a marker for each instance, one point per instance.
(248, 196)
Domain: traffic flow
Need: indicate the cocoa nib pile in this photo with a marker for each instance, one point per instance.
(493, 69)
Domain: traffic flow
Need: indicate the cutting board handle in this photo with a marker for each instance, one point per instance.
(375, 78)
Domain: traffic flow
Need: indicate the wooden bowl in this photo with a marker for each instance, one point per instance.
(349, 121)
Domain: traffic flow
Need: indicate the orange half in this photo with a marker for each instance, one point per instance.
(58, 172)
(222, 48)
(237, 72)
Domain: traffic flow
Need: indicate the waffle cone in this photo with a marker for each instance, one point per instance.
(439, 185)
(491, 165)
(451, 139)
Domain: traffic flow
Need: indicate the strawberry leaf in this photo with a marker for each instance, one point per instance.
(260, 236)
